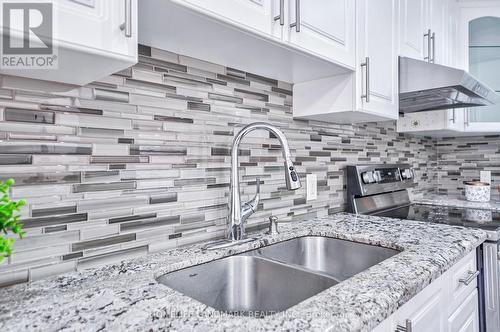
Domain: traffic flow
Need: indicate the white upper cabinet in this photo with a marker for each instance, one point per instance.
(97, 35)
(323, 27)
(96, 25)
(479, 51)
(255, 15)
(432, 123)
(413, 29)
(341, 55)
(371, 92)
(377, 76)
(439, 13)
(254, 35)
(425, 30)
(471, 34)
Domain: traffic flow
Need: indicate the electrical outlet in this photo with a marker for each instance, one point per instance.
(312, 187)
(485, 176)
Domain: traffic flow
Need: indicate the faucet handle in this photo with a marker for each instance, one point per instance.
(256, 199)
(273, 226)
(257, 186)
(248, 208)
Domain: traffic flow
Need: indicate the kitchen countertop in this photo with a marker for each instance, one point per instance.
(458, 201)
(125, 296)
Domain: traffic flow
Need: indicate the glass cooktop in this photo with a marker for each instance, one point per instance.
(484, 219)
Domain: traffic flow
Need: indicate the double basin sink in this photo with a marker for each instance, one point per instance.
(271, 279)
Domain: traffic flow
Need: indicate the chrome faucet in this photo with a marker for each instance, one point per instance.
(239, 213)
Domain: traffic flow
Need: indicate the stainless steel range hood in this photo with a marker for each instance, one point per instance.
(425, 86)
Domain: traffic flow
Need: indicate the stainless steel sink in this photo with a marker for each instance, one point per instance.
(247, 285)
(274, 278)
(340, 259)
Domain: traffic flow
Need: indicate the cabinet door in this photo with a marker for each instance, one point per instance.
(87, 34)
(425, 316)
(479, 51)
(455, 119)
(453, 20)
(466, 317)
(325, 27)
(413, 27)
(385, 326)
(439, 24)
(95, 25)
(377, 41)
(252, 14)
(441, 122)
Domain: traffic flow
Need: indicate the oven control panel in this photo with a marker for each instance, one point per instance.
(386, 175)
(377, 180)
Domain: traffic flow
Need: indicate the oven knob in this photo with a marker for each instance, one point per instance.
(367, 177)
(376, 176)
(407, 174)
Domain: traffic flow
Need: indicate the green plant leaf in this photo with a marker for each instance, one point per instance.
(9, 219)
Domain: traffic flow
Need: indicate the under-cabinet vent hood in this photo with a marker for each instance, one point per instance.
(425, 86)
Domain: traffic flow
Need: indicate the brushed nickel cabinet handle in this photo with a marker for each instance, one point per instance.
(281, 16)
(471, 276)
(366, 64)
(296, 24)
(127, 25)
(433, 39)
(406, 328)
(429, 45)
(454, 117)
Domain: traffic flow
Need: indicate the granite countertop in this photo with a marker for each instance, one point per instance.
(126, 297)
(458, 201)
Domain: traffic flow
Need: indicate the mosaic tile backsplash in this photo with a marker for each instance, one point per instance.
(461, 159)
(139, 161)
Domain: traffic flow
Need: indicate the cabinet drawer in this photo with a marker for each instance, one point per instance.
(463, 280)
(466, 317)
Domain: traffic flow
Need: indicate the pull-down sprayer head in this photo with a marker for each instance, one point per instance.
(291, 178)
(240, 212)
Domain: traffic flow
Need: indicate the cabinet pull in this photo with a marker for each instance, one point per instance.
(453, 119)
(467, 115)
(406, 328)
(471, 275)
(366, 64)
(433, 38)
(127, 25)
(429, 45)
(296, 24)
(281, 16)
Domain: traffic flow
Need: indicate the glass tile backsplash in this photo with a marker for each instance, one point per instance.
(139, 161)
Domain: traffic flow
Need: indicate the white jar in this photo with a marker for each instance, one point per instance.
(476, 191)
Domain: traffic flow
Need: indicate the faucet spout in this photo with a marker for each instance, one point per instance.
(239, 213)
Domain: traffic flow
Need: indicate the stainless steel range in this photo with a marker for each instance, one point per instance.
(382, 190)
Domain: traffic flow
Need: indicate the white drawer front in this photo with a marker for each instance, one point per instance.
(463, 280)
(466, 317)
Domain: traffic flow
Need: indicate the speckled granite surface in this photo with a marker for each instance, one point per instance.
(458, 201)
(125, 296)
